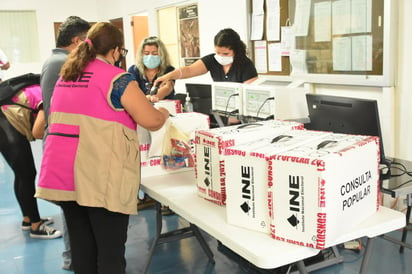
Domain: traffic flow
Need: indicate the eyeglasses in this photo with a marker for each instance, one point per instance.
(123, 52)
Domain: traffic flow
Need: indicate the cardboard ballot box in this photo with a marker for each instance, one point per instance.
(210, 144)
(247, 172)
(323, 188)
(151, 142)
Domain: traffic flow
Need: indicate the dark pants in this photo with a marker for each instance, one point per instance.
(17, 152)
(97, 239)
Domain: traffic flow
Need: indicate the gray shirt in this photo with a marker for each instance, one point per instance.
(50, 73)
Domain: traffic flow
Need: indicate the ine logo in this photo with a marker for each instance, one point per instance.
(245, 207)
(246, 184)
(293, 220)
(85, 77)
(206, 181)
(207, 165)
(294, 189)
(294, 201)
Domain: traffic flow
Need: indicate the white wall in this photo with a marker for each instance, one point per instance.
(45, 19)
(403, 89)
(214, 15)
(394, 102)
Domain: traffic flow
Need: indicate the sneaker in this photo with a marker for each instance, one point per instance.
(27, 225)
(145, 203)
(67, 266)
(45, 232)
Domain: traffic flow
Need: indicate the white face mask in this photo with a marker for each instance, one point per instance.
(224, 60)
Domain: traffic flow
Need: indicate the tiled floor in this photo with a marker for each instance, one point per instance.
(19, 254)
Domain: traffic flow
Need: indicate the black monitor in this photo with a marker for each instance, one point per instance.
(345, 115)
(201, 98)
(199, 90)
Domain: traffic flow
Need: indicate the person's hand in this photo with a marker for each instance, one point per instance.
(162, 80)
(5, 66)
(152, 98)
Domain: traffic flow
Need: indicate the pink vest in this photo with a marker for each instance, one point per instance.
(21, 118)
(92, 147)
(90, 95)
(33, 94)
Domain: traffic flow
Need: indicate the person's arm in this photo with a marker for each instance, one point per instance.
(38, 126)
(251, 80)
(141, 110)
(165, 89)
(162, 92)
(195, 69)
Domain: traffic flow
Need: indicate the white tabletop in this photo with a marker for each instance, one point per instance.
(179, 192)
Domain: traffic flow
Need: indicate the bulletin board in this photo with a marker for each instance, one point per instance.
(265, 43)
(335, 41)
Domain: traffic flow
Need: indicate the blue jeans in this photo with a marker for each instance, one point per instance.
(67, 253)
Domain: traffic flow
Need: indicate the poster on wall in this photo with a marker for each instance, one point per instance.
(189, 34)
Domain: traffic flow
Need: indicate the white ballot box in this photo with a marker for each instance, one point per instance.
(173, 106)
(210, 145)
(324, 188)
(247, 174)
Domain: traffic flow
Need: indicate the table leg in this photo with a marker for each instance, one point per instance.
(367, 255)
(408, 216)
(157, 236)
(203, 243)
(336, 259)
(174, 235)
(301, 267)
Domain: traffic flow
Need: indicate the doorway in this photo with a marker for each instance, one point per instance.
(118, 22)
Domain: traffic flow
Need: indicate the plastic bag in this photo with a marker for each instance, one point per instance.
(176, 150)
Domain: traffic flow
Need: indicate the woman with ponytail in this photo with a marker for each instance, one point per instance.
(91, 162)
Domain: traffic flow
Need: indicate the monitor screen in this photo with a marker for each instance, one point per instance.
(285, 103)
(258, 101)
(345, 115)
(227, 97)
(199, 90)
(200, 96)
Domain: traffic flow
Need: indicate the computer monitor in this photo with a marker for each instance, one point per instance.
(200, 96)
(345, 115)
(227, 97)
(285, 103)
(258, 101)
(197, 90)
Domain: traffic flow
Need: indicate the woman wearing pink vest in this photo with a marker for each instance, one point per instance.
(91, 161)
(19, 124)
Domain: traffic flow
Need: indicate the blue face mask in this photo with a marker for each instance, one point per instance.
(151, 61)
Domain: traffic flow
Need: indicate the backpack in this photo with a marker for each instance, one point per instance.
(12, 86)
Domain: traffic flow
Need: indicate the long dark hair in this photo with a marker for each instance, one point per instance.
(230, 39)
(101, 38)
